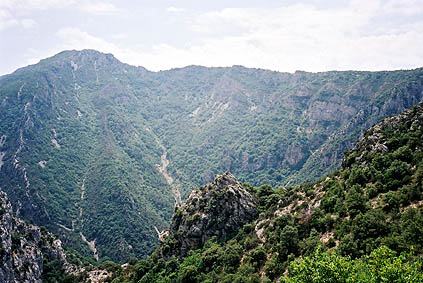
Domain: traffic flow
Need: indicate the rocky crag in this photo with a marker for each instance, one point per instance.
(217, 209)
(387, 135)
(24, 246)
(27, 252)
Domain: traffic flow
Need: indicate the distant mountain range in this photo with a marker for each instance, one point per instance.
(99, 152)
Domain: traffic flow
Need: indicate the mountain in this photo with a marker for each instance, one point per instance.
(349, 226)
(99, 152)
(70, 149)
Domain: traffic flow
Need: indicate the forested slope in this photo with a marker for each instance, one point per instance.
(365, 214)
(99, 150)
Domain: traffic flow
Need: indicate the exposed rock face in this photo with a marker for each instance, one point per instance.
(217, 209)
(21, 259)
(379, 137)
(23, 247)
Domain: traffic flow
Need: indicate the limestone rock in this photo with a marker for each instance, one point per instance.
(24, 246)
(217, 209)
(21, 259)
(376, 139)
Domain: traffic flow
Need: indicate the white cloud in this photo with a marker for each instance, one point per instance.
(35, 4)
(175, 10)
(93, 7)
(119, 36)
(99, 8)
(288, 38)
(297, 37)
(28, 23)
(13, 12)
(303, 37)
(74, 38)
(405, 7)
(7, 20)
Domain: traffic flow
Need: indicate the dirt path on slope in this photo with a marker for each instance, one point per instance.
(162, 168)
(174, 184)
(91, 245)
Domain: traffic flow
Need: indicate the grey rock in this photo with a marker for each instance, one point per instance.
(217, 209)
(23, 247)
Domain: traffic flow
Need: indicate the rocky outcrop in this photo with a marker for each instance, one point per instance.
(21, 258)
(24, 247)
(217, 209)
(385, 136)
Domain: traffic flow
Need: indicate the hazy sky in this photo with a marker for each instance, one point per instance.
(283, 35)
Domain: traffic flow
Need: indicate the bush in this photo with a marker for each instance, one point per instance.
(382, 265)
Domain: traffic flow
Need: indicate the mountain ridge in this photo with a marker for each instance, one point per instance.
(70, 52)
(81, 119)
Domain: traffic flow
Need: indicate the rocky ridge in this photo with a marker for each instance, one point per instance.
(25, 249)
(217, 209)
(378, 139)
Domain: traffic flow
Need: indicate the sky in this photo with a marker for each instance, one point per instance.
(280, 35)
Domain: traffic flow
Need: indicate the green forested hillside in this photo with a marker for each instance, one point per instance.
(78, 158)
(362, 223)
(99, 150)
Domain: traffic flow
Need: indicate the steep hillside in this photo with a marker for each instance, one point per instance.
(367, 211)
(99, 151)
(77, 157)
(269, 127)
(31, 254)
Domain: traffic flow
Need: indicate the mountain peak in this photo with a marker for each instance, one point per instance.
(84, 52)
(224, 180)
(85, 56)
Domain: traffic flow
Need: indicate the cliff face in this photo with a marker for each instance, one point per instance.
(389, 135)
(21, 258)
(24, 246)
(217, 209)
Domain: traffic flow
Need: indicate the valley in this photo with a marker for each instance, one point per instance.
(99, 150)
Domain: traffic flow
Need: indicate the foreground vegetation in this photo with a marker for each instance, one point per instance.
(382, 265)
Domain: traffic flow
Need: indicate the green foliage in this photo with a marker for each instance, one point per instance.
(110, 266)
(365, 219)
(266, 127)
(53, 272)
(382, 265)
